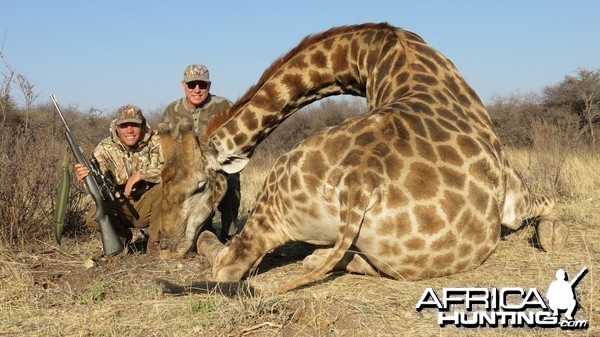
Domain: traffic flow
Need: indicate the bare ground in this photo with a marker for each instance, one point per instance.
(68, 290)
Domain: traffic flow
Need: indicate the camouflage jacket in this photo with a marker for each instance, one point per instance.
(114, 157)
(199, 117)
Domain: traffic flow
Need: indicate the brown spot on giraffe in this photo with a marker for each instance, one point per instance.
(447, 241)
(449, 155)
(428, 220)
(452, 205)
(422, 181)
(415, 243)
(425, 150)
(443, 261)
(430, 120)
(438, 134)
(452, 177)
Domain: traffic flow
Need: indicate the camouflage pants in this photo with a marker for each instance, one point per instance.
(141, 212)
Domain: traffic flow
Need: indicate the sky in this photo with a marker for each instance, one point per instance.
(105, 54)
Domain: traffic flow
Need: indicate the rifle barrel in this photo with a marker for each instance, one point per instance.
(53, 98)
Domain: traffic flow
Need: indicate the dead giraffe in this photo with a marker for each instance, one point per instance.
(416, 188)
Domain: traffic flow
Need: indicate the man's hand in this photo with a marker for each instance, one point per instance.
(81, 171)
(134, 179)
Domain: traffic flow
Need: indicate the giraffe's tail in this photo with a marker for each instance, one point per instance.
(352, 213)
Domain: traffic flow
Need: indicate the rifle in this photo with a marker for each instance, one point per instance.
(111, 244)
(578, 277)
(105, 181)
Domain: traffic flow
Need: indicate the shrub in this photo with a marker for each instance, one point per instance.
(30, 165)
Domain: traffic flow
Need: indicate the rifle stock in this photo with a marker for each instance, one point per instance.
(111, 244)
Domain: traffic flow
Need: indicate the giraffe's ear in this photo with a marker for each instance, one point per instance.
(232, 164)
(229, 161)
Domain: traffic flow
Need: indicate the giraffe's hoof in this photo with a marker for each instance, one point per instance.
(552, 235)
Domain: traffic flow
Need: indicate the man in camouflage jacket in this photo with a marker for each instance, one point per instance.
(132, 158)
(198, 107)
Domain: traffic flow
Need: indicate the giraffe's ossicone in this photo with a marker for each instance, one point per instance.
(418, 187)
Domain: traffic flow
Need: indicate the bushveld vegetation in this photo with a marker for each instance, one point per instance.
(550, 136)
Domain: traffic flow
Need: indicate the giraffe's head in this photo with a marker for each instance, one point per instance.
(192, 187)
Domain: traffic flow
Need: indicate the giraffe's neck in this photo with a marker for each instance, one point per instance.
(376, 61)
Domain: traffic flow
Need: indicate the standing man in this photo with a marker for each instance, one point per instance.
(131, 157)
(199, 106)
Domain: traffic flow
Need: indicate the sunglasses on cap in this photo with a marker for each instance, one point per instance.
(201, 84)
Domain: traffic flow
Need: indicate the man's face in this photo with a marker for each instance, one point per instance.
(130, 133)
(196, 92)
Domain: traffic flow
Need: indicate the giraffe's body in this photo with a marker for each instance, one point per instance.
(416, 188)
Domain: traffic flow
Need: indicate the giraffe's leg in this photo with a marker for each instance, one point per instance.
(209, 245)
(551, 233)
(352, 262)
(352, 214)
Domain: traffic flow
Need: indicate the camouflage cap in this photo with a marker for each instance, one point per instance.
(196, 72)
(129, 114)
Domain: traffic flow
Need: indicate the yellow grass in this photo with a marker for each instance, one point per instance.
(568, 174)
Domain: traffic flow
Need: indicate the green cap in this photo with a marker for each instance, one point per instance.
(196, 72)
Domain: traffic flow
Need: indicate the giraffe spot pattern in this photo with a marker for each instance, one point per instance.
(319, 59)
(422, 182)
(468, 146)
(425, 150)
(452, 178)
(415, 243)
(449, 155)
(315, 163)
(452, 205)
(365, 139)
(429, 222)
(441, 262)
(295, 84)
(437, 133)
(448, 241)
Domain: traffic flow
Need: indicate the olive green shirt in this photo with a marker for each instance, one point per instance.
(199, 117)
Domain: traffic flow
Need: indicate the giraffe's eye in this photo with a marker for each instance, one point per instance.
(202, 186)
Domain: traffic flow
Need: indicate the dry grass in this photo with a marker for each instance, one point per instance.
(67, 291)
(567, 175)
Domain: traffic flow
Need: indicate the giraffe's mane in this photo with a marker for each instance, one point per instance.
(221, 118)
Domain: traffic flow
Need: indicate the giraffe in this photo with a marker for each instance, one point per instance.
(418, 187)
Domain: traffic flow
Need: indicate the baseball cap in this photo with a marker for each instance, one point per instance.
(196, 72)
(129, 114)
